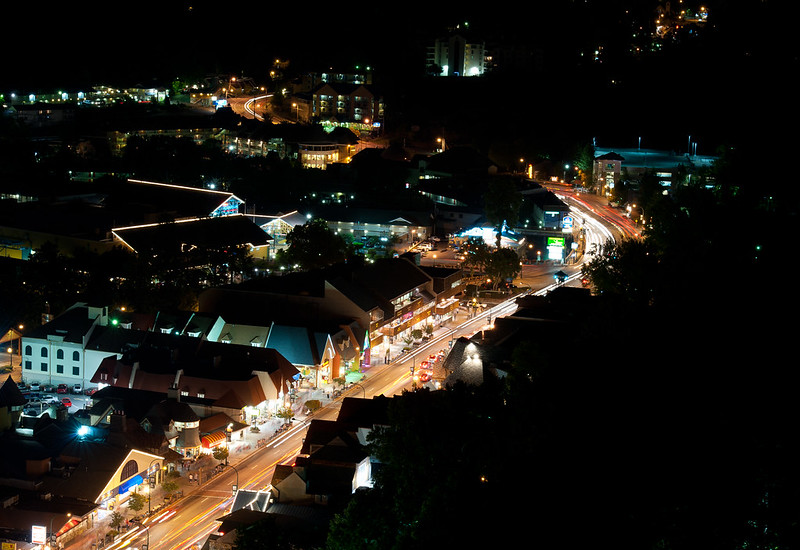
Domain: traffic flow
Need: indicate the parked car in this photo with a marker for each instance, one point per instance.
(30, 412)
(48, 388)
(62, 388)
(22, 385)
(89, 391)
(66, 401)
(35, 386)
(77, 389)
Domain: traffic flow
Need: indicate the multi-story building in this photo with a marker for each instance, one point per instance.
(346, 103)
(58, 352)
(457, 55)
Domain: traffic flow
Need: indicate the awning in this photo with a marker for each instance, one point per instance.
(213, 439)
(69, 525)
(132, 482)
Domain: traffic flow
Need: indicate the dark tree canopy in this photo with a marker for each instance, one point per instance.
(313, 245)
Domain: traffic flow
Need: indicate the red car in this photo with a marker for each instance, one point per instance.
(62, 388)
(66, 401)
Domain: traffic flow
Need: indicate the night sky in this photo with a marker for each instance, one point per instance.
(737, 77)
(96, 40)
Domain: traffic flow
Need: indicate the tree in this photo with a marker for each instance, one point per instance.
(628, 269)
(502, 203)
(502, 264)
(116, 520)
(285, 413)
(313, 405)
(417, 490)
(221, 454)
(476, 252)
(169, 486)
(313, 245)
(137, 501)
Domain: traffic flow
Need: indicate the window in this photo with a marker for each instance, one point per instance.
(43, 367)
(60, 369)
(59, 354)
(130, 469)
(28, 350)
(28, 365)
(76, 356)
(44, 351)
(76, 371)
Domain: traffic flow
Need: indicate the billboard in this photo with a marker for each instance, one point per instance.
(39, 534)
(555, 248)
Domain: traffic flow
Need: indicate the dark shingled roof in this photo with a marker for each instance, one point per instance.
(72, 325)
(205, 233)
(10, 396)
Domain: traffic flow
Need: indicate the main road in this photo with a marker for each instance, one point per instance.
(190, 520)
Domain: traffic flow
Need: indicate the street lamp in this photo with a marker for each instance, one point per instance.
(52, 536)
(235, 487)
(12, 333)
(151, 481)
(362, 388)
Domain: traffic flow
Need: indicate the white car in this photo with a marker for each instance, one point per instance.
(77, 389)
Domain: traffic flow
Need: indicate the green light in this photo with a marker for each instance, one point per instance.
(115, 322)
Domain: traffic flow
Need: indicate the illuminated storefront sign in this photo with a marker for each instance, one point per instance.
(555, 248)
(38, 534)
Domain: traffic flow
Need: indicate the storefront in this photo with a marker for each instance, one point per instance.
(213, 440)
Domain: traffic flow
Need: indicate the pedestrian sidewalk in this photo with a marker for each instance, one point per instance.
(195, 474)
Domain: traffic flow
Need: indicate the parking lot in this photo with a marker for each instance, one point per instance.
(41, 398)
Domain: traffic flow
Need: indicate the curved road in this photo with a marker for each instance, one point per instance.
(190, 520)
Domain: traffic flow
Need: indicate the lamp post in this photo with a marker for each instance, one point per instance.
(151, 486)
(52, 536)
(235, 487)
(362, 388)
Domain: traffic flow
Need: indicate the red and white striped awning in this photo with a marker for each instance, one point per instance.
(213, 439)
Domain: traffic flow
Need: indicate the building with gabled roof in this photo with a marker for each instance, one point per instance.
(11, 404)
(376, 222)
(361, 306)
(243, 382)
(100, 472)
(333, 461)
(193, 236)
(81, 215)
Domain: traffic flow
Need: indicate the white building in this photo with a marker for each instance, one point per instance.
(458, 55)
(57, 352)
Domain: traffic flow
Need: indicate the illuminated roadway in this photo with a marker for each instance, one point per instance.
(188, 522)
